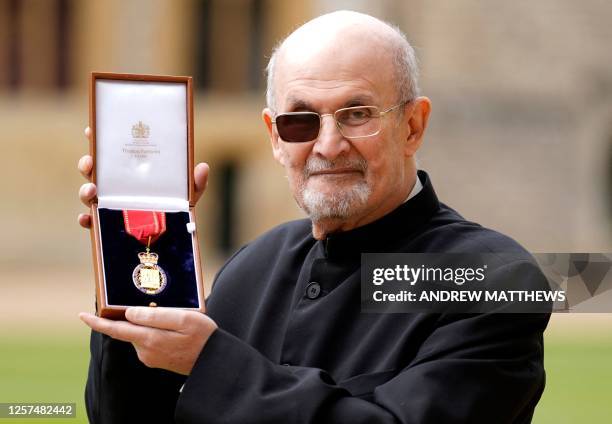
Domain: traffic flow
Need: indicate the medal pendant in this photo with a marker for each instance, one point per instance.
(148, 277)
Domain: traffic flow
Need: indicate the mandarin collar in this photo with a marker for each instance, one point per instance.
(373, 237)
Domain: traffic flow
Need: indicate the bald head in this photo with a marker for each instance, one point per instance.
(345, 35)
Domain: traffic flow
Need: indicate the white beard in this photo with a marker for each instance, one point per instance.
(341, 204)
(338, 205)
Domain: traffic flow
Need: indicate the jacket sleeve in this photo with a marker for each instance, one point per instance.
(120, 389)
(478, 368)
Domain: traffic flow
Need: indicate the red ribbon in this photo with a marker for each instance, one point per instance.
(145, 226)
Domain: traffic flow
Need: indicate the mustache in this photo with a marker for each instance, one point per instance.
(317, 164)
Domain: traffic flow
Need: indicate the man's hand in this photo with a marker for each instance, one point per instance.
(166, 338)
(87, 192)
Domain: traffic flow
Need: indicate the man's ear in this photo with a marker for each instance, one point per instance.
(266, 115)
(417, 114)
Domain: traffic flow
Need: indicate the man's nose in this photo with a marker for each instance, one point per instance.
(330, 143)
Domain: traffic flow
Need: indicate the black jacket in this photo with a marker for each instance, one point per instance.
(293, 347)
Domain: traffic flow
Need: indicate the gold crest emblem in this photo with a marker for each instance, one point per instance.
(140, 130)
(148, 277)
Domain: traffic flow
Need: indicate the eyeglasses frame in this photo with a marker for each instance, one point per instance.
(381, 115)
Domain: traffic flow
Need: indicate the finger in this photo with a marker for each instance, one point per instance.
(88, 132)
(200, 174)
(85, 166)
(162, 318)
(84, 220)
(120, 330)
(87, 193)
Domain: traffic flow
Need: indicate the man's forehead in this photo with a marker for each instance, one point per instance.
(358, 72)
(307, 48)
(338, 82)
(296, 100)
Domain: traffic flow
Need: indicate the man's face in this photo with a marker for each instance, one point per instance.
(333, 177)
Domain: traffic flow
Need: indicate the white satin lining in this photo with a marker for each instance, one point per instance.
(157, 179)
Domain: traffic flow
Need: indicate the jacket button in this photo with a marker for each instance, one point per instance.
(313, 290)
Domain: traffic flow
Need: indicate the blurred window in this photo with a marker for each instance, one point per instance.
(202, 43)
(229, 45)
(227, 210)
(35, 44)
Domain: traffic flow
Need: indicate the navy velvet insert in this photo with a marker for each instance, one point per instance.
(175, 251)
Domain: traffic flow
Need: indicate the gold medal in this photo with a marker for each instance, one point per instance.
(148, 277)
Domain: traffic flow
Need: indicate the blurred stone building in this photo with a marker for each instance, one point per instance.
(520, 137)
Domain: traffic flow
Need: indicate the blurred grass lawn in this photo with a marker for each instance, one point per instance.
(41, 368)
(578, 380)
(53, 369)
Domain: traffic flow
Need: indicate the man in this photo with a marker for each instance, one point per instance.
(283, 340)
